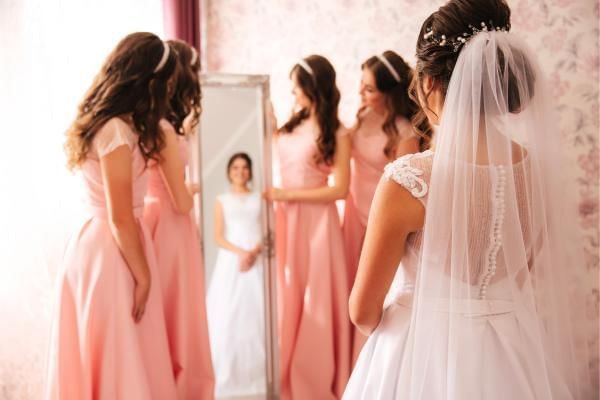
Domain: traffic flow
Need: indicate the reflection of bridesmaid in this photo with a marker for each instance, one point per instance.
(313, 290)
(383, 133)
(236, 297)
(167, 213)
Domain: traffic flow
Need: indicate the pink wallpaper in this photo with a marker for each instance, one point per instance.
(268, 37)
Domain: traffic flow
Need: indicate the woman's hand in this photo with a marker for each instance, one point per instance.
(140, 297)
(247, 260)
(193, 188)
(258, 248)
(276, 194)
(272, 118)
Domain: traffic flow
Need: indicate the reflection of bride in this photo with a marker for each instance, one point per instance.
(235, 296)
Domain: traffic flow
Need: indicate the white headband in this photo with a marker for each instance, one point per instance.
(306, 67)
(389, 67)
(194, 56)
(165, 57)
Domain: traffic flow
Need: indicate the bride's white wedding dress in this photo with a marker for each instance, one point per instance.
(235, 303)
(488, 306)
(490, 328)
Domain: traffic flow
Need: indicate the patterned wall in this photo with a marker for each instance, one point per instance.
(265, 36)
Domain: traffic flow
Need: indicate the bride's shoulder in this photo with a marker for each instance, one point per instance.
(412, 171)
(422, 161)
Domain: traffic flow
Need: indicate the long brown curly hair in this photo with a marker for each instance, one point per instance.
(397, 101)
(125, 86)
(321, 89)
(187, 94)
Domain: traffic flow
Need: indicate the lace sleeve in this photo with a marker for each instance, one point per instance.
(113, 134)
(412, 178)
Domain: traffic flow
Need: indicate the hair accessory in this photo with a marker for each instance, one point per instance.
(458, 41)
(165, 57)
(389, 66)
(194, 56)
(306, 67)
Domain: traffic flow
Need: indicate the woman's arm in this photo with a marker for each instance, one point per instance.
(341, 175)
(394, 214)
(220, 231)
(270, 111)
(172, 170)
(247, 258)
(116, 174)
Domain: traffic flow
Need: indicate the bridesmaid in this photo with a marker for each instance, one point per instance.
(168, 214)
(109, 339)
(382, 133)
(313, 290)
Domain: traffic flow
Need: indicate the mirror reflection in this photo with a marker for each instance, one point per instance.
(232, 166)
(236, 290)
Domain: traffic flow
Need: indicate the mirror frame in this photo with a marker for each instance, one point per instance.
(260, 82)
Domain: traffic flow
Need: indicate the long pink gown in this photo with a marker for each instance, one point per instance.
(312, 278)
(97, 351)
(180, 268)
(368, 162)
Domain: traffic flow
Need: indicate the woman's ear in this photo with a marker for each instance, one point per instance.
(428, 84)
(430, 98)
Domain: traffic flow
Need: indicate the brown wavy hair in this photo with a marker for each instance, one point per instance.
(452, 20)
(321, 89)
(398, 102)
(187, 94)
(125, 86)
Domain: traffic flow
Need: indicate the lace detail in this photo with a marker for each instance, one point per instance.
(401, 172)
(496, 231)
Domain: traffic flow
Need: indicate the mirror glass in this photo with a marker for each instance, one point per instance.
(232, 162)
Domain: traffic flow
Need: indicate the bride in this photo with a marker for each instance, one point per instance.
(483, 231)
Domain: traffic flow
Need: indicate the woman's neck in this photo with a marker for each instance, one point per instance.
(432, 142)
(312, 119)
(380, 112)
(239, 188)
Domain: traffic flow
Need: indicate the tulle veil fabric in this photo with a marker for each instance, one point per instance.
(500, 242)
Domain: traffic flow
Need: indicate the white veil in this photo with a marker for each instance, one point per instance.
(497, 297)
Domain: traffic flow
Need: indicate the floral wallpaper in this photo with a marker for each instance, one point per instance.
(268, 37)
(258, 36)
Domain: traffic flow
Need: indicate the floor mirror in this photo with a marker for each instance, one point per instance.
(231, 159)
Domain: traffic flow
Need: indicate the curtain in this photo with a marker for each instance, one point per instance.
(182, 21)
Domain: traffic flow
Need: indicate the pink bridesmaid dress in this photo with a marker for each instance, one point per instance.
(368, 162)
(312, 278)
(97, 351)
(180, 268)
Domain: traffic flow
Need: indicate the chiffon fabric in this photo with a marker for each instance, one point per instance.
(312, 277)
(181, 272)
(97, 350)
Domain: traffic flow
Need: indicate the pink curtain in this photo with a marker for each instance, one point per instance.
(182, 21)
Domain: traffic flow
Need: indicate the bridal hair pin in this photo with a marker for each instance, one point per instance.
(389, 66)
(194, 56)
(457, 42)
(165, 57)
(306, 67)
